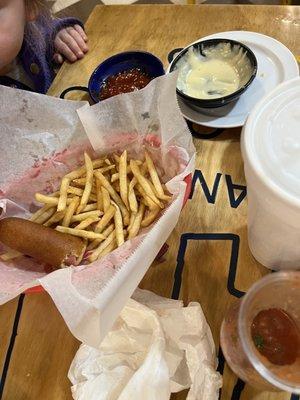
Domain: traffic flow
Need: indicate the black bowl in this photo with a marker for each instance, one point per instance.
(220, 101)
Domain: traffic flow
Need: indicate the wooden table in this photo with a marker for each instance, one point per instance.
(211, 232)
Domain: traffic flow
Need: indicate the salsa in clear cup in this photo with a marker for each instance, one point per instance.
(260, 335)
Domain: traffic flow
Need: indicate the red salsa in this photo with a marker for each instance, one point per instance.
(124, 82)
(276, 336)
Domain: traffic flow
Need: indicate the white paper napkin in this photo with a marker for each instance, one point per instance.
(156, 347)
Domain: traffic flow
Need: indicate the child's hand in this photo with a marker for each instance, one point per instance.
(70, 43)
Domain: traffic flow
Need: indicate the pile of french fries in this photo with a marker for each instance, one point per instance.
(105, 202)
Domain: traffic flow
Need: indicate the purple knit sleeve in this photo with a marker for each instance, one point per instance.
(36, 54)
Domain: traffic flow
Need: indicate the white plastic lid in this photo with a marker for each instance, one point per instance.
(271, 140)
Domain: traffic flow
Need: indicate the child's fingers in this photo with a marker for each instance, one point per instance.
(58, 58)
(77, 37)
(81, 32)
(63, 49)
(71, 43)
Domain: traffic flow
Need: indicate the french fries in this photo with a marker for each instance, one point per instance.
(57, 217)
(105, 197)
(108, 215)
(150, 217)
(116, 175)
(88, 183)
(38, 215)
(96, 242)
(75, 190)
(114, 195)
(88, 214)
(41, 198)
(87, 222)
(45, 215)
(105, 202)
(155, 179)
(146, 199)
(97, 252)
(62, 201)
(133, 205)
(144, 183)
(80, 232)
(118, 226)
(70, 211)
(123, 178)
(105, 169)
(108, 249)
(135, 227)
(99, 196)
(91, 207)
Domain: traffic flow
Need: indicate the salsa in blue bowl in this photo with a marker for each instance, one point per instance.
(121, 73)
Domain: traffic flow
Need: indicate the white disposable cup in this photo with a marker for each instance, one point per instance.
(271, 151)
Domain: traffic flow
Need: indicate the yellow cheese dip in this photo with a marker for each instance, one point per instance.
(212, 79)
(220, 71)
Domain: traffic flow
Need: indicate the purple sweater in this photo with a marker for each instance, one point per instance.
(36, 55)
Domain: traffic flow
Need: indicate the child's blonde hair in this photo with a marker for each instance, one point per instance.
(38, 10)
(38, 7)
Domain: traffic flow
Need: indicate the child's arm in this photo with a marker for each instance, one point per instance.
(70, 43)
(65, 39)
(48, 40)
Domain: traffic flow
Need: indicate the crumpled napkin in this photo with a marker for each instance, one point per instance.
(156, 347)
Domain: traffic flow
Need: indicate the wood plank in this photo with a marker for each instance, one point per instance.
(43, 351)
(44, 347)
(7, 317)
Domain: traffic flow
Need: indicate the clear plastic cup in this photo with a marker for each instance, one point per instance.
(280, 290)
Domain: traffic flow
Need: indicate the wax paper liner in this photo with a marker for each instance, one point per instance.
(46, 141)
